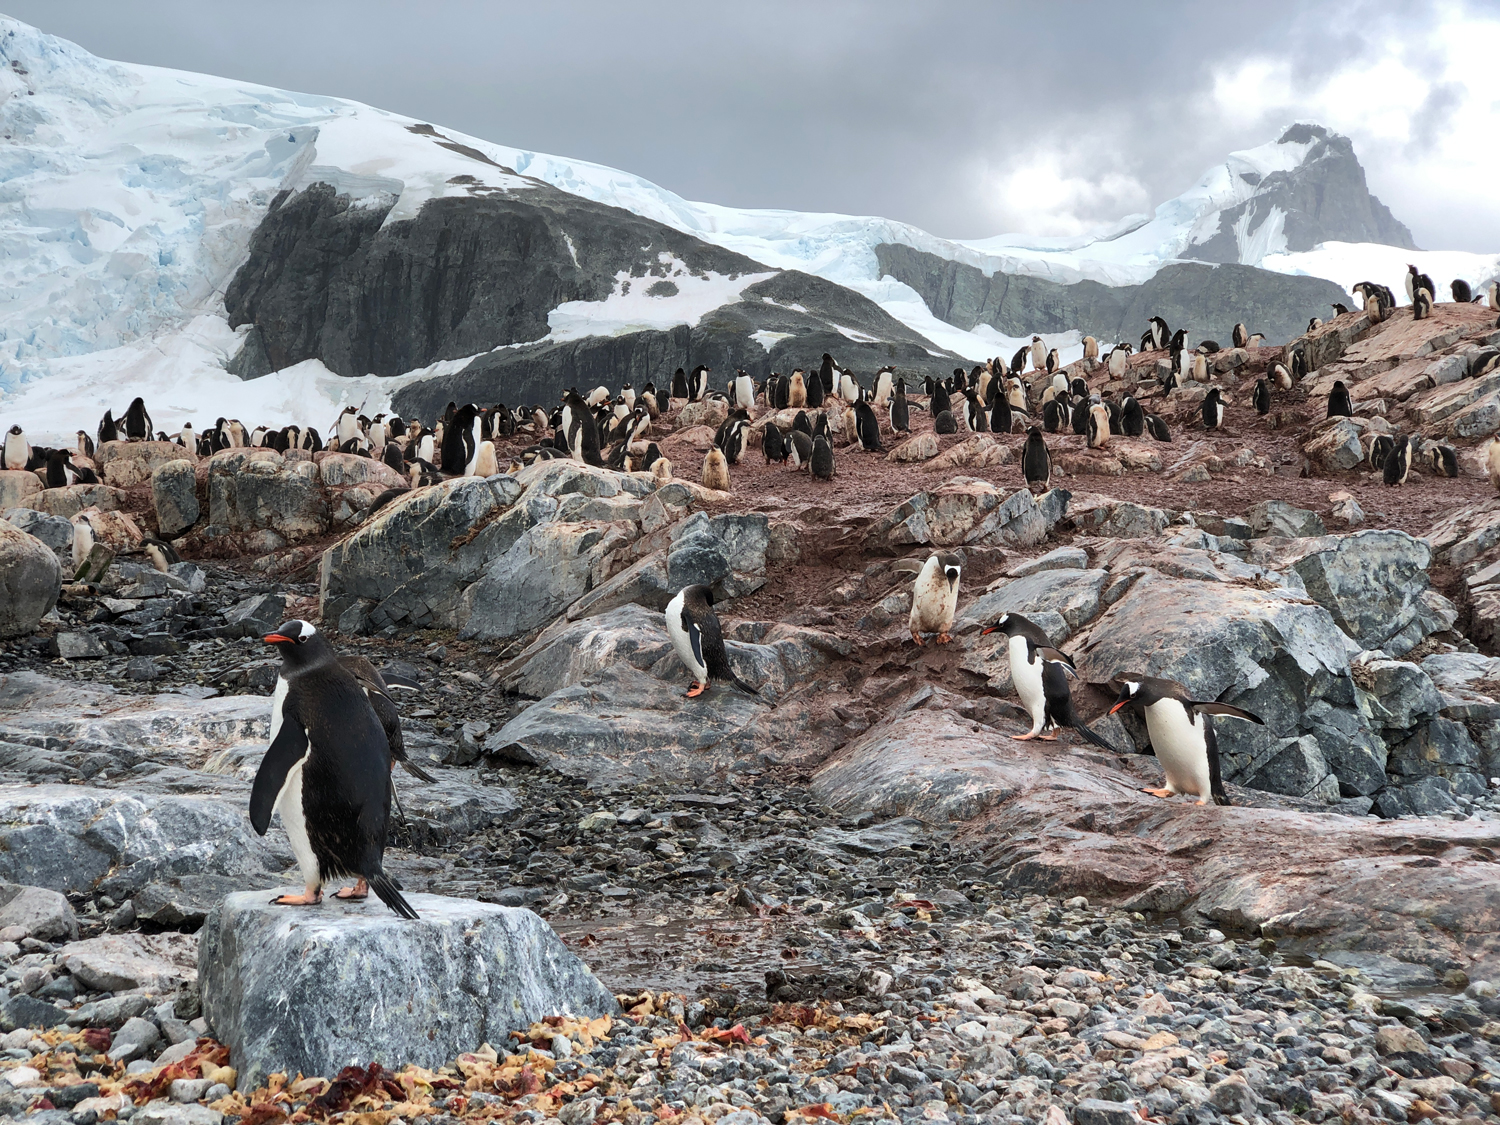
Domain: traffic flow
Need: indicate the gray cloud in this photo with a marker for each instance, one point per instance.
(907, 111)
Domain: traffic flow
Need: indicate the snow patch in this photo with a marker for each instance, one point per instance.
(638, 304)
(768, 339)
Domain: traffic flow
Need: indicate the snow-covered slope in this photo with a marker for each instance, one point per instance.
(131, 193)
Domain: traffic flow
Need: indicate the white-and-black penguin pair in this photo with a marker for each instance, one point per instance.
(327, 771)
(934, 595)
(698, 640)
(1040, 674)
(1181, 734)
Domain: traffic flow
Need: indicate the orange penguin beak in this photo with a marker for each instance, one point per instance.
(276, 639)
(1118, 705)
(987, 630)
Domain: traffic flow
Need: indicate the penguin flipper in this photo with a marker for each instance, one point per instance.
(288, 749)
(415, 770)
(1228, 709)
(385, 889)
(1057, 656)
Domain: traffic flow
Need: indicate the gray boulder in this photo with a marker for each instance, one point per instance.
(1334, 446)
(16, 485)
(1296, 767)
(156, 963)
(1076, 595)
(257, 615)
(1277, 517)
(968, 510)
(291, 991)
(248, 493)
(1397, 695)
(41, 913)
(30, 581)
(1062, 558)
(174, 494)
(55, 531)
(726, 552)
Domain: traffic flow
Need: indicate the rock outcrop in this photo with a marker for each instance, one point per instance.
(30, 580)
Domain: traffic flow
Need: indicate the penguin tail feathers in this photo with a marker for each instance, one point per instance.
(743, 686)
(386, 891)
(1097, 739)
(417, 771)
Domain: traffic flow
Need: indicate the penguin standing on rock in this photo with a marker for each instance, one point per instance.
(699, 640)
(1040, 673)
(108, 431)
(934, 595)
(326, 772)
(1213, 410)
(161, 554)
(138, 425)
(1380, 448)
(1098, 426)
(1339, 405)
(16, 453)
(1036, 462)
(1181, 734)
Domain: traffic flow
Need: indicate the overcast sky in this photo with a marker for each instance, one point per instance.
(965, 119)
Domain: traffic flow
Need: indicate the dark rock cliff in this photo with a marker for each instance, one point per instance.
(1206, 300)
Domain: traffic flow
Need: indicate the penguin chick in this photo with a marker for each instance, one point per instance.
(699, 640)
(1492, 462)
(661, 470)
(716, 471)
(326, 771)
(822, 458)
(934, 595)
(161, 554)
(1181, 734)
(1040, 673)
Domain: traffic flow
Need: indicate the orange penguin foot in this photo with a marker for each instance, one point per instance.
(357, 893)
(944, 638)
(1157, 792)
(312, 898)
(1027, 737)
(696, 690)
(918, 638)
(1047, 737)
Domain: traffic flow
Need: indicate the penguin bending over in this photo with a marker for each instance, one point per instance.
(326, 772)
(1181, 734)
(934, 595)
(699, 640)
(161, 554)
(1462, 292)
(1157, 428)
(1380, 448)
(1040, 673)
(1132, 417)
(1444, 460)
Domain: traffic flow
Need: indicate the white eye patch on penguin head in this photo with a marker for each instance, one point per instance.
(293, 632)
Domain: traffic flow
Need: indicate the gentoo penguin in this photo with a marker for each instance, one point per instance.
(679, 384)
(1080, 419)
(1339, 405)
(1000, 416)
(1258, 339)
(821, 461)
(1040, 674)
(1494, 294)
(1053, 361)
(1380, 448)
(1181, 734)
(1036, 462)
(698, 382)
(1118, 361)
(849, 388)
(1314, 322)
(940, 400)
(138, 425)
(816, 392)
(825, 374)
(346, 427)
(1398, 461)
(86, 445)
(944, 423)
(1200, 367)
(108, 431)
(392, 456)
(1339, 308)
(161, 554)
(1016, 394)
(1492, 463)
(485, 463)
(17, 450)
(1038, 353)
(975, 416)
(1282, 376)
(1213, 410)
(885, 386)
(1157, 428)
(799, 448)
(1159, 332)
(1421, 305)
(934, 595)
(1462, 293)
(1374, 309)
(1416, 280)
(458, 441)
(1090, 348)
(580, 432)
(1098, 426)
(1059, 381)
(699, 640)
(1262, 397)
(83, 540)
(716, 471)
(744, 390)
(1132, 417)
(1053, 413)
(899, 412)
(867, 426)
(60, 472)
(326, 771)
(797, 392)
(661, 470)
(772, 444)
(800, 421)
(597, 396)
(1240, 336)
(1444, 460)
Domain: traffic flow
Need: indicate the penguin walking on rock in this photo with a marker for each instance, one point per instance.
(1181, 734)
(1040, 673)
(934, 595)
(1036, 462)
(327, 771)
(698, 640)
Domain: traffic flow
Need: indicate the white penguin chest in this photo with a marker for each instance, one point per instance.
(933, 602)
(1026, 675)
(1181, 746)
(682, 640)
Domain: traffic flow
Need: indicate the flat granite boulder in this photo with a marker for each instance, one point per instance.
(347, 984)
